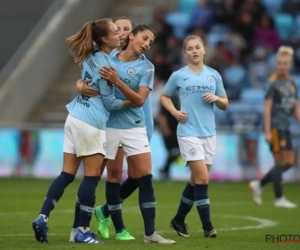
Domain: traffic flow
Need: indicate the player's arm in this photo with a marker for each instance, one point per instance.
(109, 99)
(297, 111)
(267, 111)
(222, 102)
(296, 107)
(168, 91)
(137, 98)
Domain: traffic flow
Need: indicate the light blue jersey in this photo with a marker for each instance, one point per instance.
(138, 73)
(95, 110)
(114, 52)
(191, 87)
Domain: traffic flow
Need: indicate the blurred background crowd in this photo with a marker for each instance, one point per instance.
(241, 38)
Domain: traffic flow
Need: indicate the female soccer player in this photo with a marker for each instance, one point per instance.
(128, 127)
(85, 135)
(199, 87)
(281, 104)
(115, 167)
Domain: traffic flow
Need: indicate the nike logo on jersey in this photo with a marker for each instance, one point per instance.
(184, 79)
(146, 146)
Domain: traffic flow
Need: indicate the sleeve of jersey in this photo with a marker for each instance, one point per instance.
(107, 90)
(269, 91)
(220, 91)
(109, 99)
(171, 86)
(147, 77)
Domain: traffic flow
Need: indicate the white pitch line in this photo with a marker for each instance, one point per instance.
(262, 223)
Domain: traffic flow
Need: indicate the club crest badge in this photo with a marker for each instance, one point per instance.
(131, 71)
(210, 78)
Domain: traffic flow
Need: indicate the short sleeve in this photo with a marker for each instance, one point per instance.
(147, 76)
(270, 90)
(220, 91)
(171, 86)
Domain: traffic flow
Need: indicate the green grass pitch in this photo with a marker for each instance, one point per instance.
(241, 225)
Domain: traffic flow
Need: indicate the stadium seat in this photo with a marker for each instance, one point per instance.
(272, 59)
(284, 25)
(180, 22)
(252, 96)
(273, 6)
(213, 38)
(187, 5)
(234, 75)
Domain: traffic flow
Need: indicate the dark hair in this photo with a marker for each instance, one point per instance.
(126, 18)
(136, 30)
(81, 44)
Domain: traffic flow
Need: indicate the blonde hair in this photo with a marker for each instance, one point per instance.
(285, 51)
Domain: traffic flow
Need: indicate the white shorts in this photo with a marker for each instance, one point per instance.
(196, 148)
(134, 141)
(83, 139)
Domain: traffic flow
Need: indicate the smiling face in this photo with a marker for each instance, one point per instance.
(124, 27)
(194, 50)
(141, 41)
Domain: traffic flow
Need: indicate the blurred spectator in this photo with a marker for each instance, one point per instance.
(221, 57)
(224, 11)
(254, 7)
(244, 26)
(202, 17)
(173, 54)
(260, 70)
(162, 67)
(291, 7)
(266, 35)
(163, 29)
(235, 79)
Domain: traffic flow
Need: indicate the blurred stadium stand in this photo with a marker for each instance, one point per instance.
(36, 80)
(40, 75)
(17, 20)
(37, 77)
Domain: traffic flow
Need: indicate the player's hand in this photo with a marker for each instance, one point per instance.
(208, 97)
(181, 116)
(268, 137)
(83, 88)
(109, 74)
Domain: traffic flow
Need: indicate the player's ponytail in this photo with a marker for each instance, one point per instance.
(81, 44)
(135, 31)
